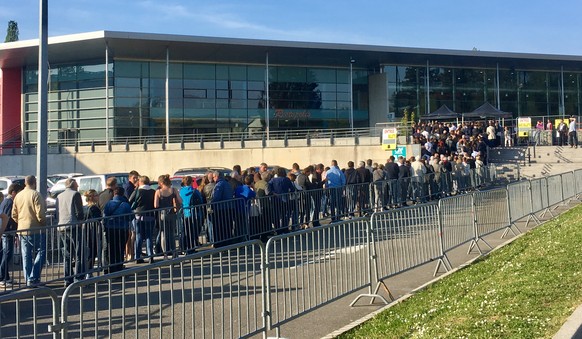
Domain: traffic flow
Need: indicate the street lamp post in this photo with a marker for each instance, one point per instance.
(42, 134)
(352, 61)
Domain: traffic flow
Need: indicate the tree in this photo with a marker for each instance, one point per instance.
(12, 31)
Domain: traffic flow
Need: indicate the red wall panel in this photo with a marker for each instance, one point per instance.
(10, 103)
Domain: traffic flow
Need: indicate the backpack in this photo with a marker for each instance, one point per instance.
(196, 199)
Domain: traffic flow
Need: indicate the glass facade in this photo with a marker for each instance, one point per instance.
(76, 103)
(220, 98)
(215, 98)
(521, 92)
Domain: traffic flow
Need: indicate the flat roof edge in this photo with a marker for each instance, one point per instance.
(53, 40)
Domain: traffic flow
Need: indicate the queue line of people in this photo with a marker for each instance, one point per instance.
(116, 224)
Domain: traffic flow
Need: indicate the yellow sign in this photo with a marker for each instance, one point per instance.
(523, 127)
(389, 139)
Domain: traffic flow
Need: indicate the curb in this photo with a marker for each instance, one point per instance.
(572, 328)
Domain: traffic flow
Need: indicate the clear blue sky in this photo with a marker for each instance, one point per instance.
(532, 26)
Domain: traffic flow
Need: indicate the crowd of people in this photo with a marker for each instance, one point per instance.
(475, 136)
(116, 225)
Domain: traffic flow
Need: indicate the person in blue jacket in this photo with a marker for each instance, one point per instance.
(118, 215)
(193, 215)
(222, 211)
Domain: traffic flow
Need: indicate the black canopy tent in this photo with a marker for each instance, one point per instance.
(443, 113)
(487, 111)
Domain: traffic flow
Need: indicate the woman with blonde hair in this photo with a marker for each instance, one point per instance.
(168, 200)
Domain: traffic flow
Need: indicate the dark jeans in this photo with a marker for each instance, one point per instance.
(573, 138)
(115, 249)
(6, 256)
(144, 227)
(190, 231)
(73, 248)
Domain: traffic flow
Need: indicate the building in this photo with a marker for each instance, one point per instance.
(115, 86)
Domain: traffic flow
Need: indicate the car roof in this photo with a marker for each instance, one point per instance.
(13, 177)
(199, 170)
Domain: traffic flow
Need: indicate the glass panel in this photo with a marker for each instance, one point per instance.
(128, 69)
(199, 71)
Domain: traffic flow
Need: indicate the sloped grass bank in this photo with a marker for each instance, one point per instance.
(526, 289)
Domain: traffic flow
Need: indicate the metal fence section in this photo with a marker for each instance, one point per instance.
(520, 200)
(217, 293)
(568, 186)
(457, 221)
(491, 215)
(555, 194)
(29, 313)
(405, 238)
(578, 178)
(310, 268)
(539, 194)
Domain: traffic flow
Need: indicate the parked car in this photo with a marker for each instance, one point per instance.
(98, 181)
(6, 181)
(201, 171)
(197, 173)
(54, 178)
(176, 183)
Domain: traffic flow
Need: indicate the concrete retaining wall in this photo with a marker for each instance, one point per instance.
(156, 161)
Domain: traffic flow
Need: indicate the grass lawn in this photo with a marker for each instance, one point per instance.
(527, 289)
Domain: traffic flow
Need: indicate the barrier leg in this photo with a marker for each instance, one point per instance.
(375, 295)
(547, 210)
(534, 217)
(475, 243)
(445, 263)
(510, 228)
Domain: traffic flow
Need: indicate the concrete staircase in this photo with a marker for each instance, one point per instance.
(549, 160)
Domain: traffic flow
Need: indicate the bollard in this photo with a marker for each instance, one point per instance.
(222, 141)
(93, 146)
(163, 144)
(264, 143)
(145, 145)
(127, 145)
(201, 142)
(182, 143)
(242, 141)
(308, 139)
(331, 139)
(285, 140)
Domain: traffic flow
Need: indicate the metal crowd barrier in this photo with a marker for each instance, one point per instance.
(519, 199)
(404, 239)
(539, 195)
(78, 251)
(568, 186)
(245, 289)
(578, 178)
(491, 215)
(311, 268)
(456, 219)
(555, 194)
(216, 293)
(29, 313)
